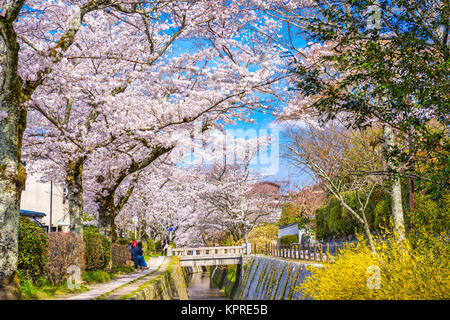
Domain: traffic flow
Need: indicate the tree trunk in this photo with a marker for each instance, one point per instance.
(74, 183)
(411, 182)
(362, 219)
(396, 188)
(12, 173)
(368, 233)
(12, 178)
(106, 217)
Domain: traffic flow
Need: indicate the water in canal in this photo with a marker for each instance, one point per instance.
(199, 288)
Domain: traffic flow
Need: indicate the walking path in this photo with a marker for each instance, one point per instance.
(120, 284)
(120, 292)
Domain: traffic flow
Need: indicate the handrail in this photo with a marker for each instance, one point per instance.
(209, 251)
(210, 248)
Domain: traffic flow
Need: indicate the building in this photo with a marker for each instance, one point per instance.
(35, 204)
(271, 192)
(269, 189)
(292, 229)
(308, 199)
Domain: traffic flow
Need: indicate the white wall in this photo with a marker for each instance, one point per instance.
(36, 197)
(288, 230)
(284, 231)
(302, 234)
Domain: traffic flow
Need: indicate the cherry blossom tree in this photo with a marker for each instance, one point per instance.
(216, 79)
(85, 60)
(227, 192)
(34, 36)
(175, 194)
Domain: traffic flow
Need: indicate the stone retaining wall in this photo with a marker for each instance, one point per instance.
(264, 278)
(220, 279)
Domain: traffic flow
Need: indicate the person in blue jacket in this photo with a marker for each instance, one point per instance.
(130, 247)
(138, 256)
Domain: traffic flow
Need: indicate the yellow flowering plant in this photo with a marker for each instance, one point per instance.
(415, 269)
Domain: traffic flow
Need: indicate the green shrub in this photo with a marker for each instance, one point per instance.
(227, 242)
(29, 289)
(144, 247)
(288, 239)
(158, 245)
(334, 220)
(64, 250)
(321, 223)
(289, 214)
(434, 215)
(33, 250)
(97, 250)
(90, 229)
(151, 245)
(381, 213)
(124, 269)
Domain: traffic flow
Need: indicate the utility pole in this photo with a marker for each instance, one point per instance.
(135, 220)
(170, 233)
(51, 205)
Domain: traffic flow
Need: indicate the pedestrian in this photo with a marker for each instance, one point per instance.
(130, 247)
(138, 256)
(165, 245)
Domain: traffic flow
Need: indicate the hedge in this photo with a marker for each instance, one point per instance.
(65, 250)
(33, 250)
(290, 238)
(97, 250)
(120, 255)
(151, 245)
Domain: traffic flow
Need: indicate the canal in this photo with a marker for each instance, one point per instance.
(200, 288)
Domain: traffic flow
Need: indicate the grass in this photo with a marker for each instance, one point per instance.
(96, 276)
(102, 276)
(153, 254)
(46, 290)
(169, 269)
(126, 284)
(121, 270)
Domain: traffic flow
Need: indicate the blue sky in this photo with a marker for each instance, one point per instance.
(285, 172)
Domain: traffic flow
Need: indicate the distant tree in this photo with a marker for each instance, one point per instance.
(290, 213)
(337, 158)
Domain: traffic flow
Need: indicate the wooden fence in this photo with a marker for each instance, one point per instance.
(314, 252)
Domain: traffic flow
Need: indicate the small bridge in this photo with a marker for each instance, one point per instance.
(210, 256)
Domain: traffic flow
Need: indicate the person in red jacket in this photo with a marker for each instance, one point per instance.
(138, 256)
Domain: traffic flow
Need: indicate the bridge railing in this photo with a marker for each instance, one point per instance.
(314, 252)
(208, 251)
